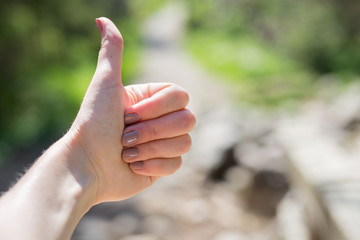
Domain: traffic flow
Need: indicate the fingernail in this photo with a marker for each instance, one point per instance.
(130, 153)
(130, 138)
(137, 165)
(99, 25)
(131, 118)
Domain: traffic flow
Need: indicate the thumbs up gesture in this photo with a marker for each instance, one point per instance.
(130, 135)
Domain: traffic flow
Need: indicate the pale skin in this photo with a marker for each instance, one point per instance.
(122, 140)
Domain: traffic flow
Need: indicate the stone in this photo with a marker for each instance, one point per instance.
(291, 219)
(230, 235)
(140, 237)
(262, 152)
(92, 228)
(238, 179)
(266, 191)
(196, 210)
(124, 224)
(159, 225)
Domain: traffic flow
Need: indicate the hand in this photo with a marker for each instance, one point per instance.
(87, 166)
(154, 140)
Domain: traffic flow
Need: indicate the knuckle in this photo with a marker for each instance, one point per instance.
(106, 69)
(174, 85)
(186, 97)
(152, 131)
(151, 149)
(117, 40)
(189, 120)
(177, 162)
(113, 39)
(146, 130)
(181, 95)
(186, 143)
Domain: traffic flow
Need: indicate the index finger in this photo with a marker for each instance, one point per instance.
(163, 100)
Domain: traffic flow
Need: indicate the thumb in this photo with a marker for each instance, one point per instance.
(110, 54)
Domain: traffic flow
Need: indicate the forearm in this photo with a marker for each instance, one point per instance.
(51, 197)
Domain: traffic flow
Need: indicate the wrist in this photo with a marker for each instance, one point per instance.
(80, 166)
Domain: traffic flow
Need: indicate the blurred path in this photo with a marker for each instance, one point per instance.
(205, 213)
(324, 168)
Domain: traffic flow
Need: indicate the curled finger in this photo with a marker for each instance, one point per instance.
(156, 167)
(163, 148)
(168, 126)
(154, 100)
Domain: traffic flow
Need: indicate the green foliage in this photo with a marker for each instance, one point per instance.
(48, 54)
(143, 9)
(313, 32)
(258, 74)
(273, 50)
(242, 56)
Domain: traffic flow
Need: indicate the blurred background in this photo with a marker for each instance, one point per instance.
(274, 85)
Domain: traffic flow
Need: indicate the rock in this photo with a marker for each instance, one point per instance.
(141, 237)
(124, 224)
(159, 225)
(230, 235)
(227, 161)
(225, 207)
(215, 134)
(266, 191)
(197, 211)
(261, 152)
(292, 219)
(239, 179)
(92, 228)
(109, 221)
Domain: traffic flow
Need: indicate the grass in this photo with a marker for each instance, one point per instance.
(56, 89)
(258, 74)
